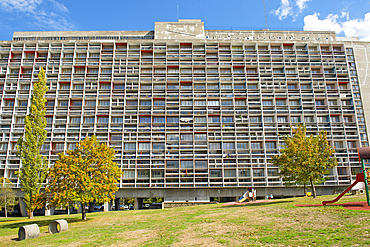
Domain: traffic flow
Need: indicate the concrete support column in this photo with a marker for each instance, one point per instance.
(22, 207)
(138, 203)
(91, 206)
(117, 204)
(107, 206)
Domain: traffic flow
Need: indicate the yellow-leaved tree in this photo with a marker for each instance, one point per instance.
(83, 175)
(305, 159)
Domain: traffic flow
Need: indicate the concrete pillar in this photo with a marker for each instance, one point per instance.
(117, 204)
(107, 206)
(138, 203)
(91, 206)
(22, 207)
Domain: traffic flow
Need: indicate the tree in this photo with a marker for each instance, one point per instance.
(7, 197)
(305, 159)
(33, 165)
(83, 175)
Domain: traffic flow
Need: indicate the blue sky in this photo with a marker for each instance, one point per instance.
(347, 18)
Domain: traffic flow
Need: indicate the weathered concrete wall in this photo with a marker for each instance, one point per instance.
(183, 29)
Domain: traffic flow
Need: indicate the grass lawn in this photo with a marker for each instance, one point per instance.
(277, 223)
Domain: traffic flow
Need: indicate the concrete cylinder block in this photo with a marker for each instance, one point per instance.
(29, 231)
(58, 226)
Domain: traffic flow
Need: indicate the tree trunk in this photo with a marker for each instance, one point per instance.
(304, 189)
(83, 212)
(313, 188)
(6, 211)
(30, 214)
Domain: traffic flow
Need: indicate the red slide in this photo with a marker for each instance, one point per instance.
(359, 178)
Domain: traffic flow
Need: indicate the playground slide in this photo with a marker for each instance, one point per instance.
(359, 178)
(242, 199)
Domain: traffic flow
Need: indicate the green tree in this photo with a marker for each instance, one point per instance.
(33, 165)
(83, 175)
(7, 197)
(305, 159)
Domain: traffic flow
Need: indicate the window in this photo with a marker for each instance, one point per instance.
(214, 119)
(255, 145)
(294, 102)
(58, 146)
(268, 119)
(90, 103)
(64, 86)
(308, 119)
(9, 103)
(295, 119)
(239, 102)
(347, 119)
(172, 119)
(119, 86)
(334, 119)
(172, 164)
(144, 146)
(200, 120)
(71, 146)
(200, 164)
(76, 102)
(213, 103)
(242, 145)
(228, 145)
(172, 137)
(20, 120)
(159, 103)
(24, 103)
(159, 120)
(117, 119)
(130, 146)
(280, 102)
(78, 86)
(282, 119)
(338, 144)
(103, 119)
(131, 102)
(186, 103)
(267, 102)
(104, 102)
(116, 137)
(186, 137)
(128, 174)
(63, 103)
(160, 146)
(322, 119)
(75, 120)
(226, 103)
(351, 144)
(145, 119)
(215, 173)
(200, 103)
(105, 86)
(49, 120)
(186, 164)
(227, 120)
(270, 145)
(292, 86)
(145, 103)
(200, 137)
(215, 145)
(89, 120)
(258, 172)
(244, 173)
(272, 172)
(255, 119)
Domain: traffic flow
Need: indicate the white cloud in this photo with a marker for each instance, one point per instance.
(301, 4)
(20, 5)
(350, 28)
(293, 8)
(45, 14)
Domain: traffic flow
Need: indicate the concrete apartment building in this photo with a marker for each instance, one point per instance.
(192, 113)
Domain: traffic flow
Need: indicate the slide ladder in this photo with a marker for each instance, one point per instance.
(359, 178)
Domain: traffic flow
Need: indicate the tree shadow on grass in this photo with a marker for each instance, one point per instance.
(40, 223)
(257, 204)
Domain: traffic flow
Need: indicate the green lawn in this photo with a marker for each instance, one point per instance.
(277, 223)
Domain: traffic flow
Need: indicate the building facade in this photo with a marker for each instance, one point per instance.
(186, 107)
